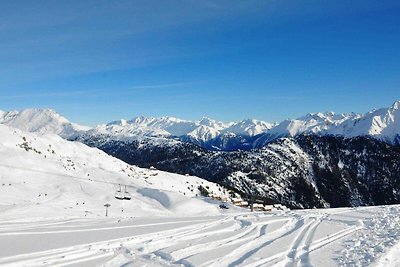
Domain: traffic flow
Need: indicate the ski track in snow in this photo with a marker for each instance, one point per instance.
(350, 236)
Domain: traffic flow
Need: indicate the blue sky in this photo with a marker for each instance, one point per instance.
(97, 61)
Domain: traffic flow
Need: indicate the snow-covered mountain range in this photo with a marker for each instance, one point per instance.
(382, 124)
(201, 131)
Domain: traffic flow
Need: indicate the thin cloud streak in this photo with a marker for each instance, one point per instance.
(100, 92)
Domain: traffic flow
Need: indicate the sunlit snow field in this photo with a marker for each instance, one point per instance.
(331, 237)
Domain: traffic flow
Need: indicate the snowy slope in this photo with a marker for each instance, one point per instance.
(203, 133)
(43, 121)
(46, 176)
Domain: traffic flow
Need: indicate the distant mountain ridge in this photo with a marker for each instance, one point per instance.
(203, 130)
(382, 124)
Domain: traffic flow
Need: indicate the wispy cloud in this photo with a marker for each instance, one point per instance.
(96, 92)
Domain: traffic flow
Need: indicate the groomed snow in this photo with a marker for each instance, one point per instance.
(330, 237)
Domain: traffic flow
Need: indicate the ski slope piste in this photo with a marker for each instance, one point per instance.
(52, 213)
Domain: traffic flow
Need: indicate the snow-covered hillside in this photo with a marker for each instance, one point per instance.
(46, 176)
(45, 121)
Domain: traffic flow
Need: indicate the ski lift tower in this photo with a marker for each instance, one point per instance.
(107, 205)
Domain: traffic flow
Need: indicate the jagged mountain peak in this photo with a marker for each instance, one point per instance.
(164, 119)
(317, 115)
(170, 119)
(31, 113)
(383, 124)
(207, 121)
(217, 125)
(138, 119)
(396, 105)
(249, 127)
(204, 133)
(121, 122)
(328, 116)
